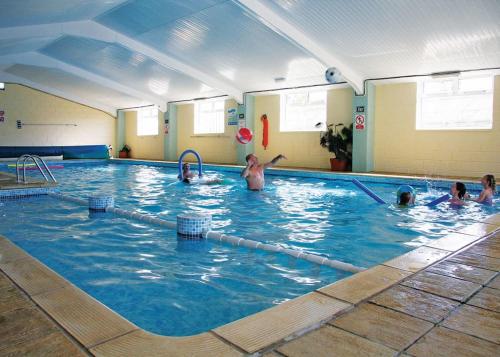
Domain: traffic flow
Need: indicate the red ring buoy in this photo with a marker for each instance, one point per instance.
(244, 136)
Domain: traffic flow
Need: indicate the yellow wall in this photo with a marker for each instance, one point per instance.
(34, 107)
(213, 148)
(301, 148)
(147, 146)
(399, 147)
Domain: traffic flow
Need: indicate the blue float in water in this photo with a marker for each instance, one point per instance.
(439, 200)
(368, 191)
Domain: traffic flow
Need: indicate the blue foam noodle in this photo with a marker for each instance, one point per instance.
(368, 191)
(198, 157)
(439, 200)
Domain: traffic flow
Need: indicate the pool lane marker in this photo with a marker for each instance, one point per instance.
(313, 258)
(223, 238)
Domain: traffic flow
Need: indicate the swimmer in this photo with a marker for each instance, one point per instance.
(253, 173)
(406, 195)
(489, 186)
(188, 176)
(459, 194)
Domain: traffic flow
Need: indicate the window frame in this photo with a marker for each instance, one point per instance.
(152, 115)
(219, 128)
(286, 127)
(454, 93)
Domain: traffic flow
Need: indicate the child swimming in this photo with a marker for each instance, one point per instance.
(489, 186)
(405, 195)
(459, 194)
(188, 176)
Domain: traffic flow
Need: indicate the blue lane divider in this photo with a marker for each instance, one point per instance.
(439, 200)
(368, 191)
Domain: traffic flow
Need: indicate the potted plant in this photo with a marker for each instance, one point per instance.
(124, 152)
(339, 143)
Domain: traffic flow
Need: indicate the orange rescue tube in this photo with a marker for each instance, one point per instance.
(265, 131)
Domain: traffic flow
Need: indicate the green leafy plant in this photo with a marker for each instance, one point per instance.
(338, 141)
(126, 148)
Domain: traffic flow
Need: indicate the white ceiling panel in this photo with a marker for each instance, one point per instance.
(127, 67)
(64, 82)
(165, 50)
(9, 46)
(224, 41)
(35, 12)
(381, 38)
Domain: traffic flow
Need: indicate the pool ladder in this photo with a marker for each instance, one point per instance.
(21, 165)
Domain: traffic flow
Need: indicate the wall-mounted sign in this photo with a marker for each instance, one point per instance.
(360, 109)
(232, 116)
(359, 122)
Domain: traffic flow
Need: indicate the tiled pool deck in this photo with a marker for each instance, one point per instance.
(439, 299)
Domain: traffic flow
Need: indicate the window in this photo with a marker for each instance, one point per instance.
(147, 121)
(455, 103)
(304, 111)
(209, 117)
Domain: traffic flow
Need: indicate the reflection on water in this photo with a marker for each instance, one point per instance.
(331, 218)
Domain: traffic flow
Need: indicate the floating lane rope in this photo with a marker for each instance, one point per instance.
(368, 191)
(217, 236)
(313, 258)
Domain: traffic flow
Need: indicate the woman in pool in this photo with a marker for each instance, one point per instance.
(406, 195)
(489, 186)
(459, 194)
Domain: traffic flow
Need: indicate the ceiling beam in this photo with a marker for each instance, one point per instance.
(41, 60)
(276, 22)
(10, 78)
(96, 31)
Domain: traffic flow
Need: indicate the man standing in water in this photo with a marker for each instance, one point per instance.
(254, 172)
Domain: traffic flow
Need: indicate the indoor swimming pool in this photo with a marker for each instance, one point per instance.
(177, 287)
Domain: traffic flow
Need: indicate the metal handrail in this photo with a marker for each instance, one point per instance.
(24, 158)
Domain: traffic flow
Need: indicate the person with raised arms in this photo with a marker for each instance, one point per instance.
(253, 173)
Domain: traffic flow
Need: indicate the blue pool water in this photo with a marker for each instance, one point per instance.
(174, 287)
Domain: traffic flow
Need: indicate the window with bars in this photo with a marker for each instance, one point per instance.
(455, 103)
(305, 111)
(147, 121)
(209, 117)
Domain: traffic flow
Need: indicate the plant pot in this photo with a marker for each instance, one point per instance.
(123, 155)
(338, 165)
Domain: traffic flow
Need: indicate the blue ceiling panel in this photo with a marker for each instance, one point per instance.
(124, 66)
(139, 16)
(19, 45)
(36, 12)
(228, 43)
(68, 83)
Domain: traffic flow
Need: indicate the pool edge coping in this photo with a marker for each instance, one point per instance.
(243, 336)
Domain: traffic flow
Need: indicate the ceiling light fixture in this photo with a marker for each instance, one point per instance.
(445, 74)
